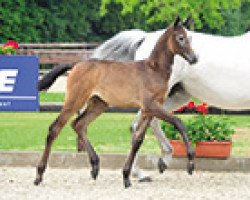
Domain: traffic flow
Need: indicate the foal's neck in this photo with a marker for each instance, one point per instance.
(161, 54)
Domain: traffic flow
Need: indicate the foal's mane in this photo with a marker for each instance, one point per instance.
(161, 55)
(161, 43)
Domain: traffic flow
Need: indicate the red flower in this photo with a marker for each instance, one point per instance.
(202, 108)
(11, 43)
(204, 104)
(190, 105)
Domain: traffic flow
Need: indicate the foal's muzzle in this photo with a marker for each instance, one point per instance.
(191, 58)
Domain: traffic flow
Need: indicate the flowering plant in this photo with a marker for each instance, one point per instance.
(193, 108)
(201, 127)
(9, 48)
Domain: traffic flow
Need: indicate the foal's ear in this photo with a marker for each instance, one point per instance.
(177, 22)
(188, 22)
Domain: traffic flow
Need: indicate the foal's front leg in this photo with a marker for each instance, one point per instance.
(175, 101)
(137, 140)
(164, 143)
(136, 171)
(155, 109)
(54, 130)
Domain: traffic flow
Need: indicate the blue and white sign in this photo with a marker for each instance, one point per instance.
(18, 83)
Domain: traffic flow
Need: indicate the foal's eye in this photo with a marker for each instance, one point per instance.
(180, 39)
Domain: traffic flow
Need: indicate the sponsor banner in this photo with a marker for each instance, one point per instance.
(18, 83)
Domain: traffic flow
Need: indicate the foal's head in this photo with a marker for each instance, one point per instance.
(179, 43)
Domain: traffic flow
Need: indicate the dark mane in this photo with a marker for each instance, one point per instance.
(161, 54)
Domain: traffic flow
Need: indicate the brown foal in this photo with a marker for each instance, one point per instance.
(96, 85)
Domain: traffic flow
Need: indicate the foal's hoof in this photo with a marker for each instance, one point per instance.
(127, 183)
(79, 150)
(37, 181)
(190, 167)
(161, 166)
(145, 179)
(94, 172)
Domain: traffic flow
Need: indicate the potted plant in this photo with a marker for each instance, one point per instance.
(211, 136)
(179, 148)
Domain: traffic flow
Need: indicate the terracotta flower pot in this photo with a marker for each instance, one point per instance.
(213, 149)
(179, 148)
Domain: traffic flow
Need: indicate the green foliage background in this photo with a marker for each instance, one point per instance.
(97, 20)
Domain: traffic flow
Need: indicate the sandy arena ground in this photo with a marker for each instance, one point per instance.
(17, 184)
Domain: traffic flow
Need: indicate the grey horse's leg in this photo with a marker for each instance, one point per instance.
(173, 102)
(166, 148)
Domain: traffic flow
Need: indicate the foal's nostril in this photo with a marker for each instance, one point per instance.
(194, 60)
(191, 58)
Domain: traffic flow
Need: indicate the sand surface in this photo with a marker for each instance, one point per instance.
(17, 183)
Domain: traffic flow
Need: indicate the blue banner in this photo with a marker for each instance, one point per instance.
(18, 83)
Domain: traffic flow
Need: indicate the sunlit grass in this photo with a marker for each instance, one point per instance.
(51, 97)
(109, 133)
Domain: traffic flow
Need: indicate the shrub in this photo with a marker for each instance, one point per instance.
(201, 127)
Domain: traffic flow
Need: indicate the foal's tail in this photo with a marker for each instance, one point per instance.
(48, 79)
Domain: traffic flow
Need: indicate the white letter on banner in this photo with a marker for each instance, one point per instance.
(7, 79)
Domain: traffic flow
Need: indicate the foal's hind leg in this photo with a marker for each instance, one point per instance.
(136, 143)
(54, 131)
(79, 141)
(94, 108)
(164, 144)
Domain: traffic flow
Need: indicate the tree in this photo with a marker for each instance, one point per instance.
(207, 12)
(237, 21)
(18, 22)
(81, 20)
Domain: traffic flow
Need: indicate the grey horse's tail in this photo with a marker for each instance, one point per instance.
(121, 47)
(49, 78)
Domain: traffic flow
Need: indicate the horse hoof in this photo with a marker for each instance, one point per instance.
(190, 167)
(37, 181)
(145, 179)
(161, 166)
(127, 183)
(94, 172)
(80, 148)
